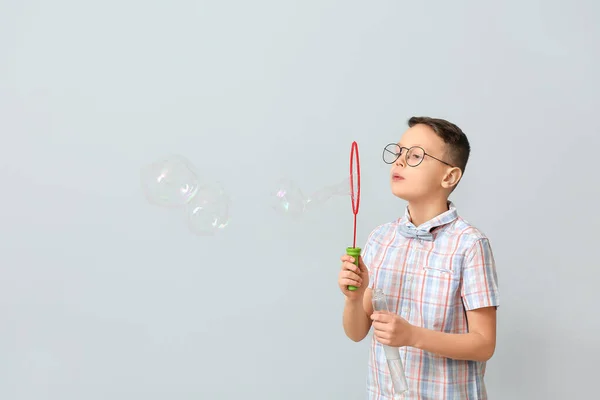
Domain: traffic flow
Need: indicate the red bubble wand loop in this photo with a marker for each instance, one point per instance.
(355, 197)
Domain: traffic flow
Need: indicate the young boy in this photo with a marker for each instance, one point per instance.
(437, 271)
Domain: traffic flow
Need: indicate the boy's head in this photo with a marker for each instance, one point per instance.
(429, 160)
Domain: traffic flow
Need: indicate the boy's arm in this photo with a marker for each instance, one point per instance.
(356, 319)
(477, 345)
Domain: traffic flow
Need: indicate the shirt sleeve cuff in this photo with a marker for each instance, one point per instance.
(480, 300)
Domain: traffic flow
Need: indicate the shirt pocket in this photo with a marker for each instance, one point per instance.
(436, 290)
(436, 270)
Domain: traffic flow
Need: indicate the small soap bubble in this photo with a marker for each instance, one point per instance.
(323, 195)
(289, 199)
(208, 211)
(169, 182)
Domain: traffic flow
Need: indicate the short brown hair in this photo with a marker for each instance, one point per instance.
(457, 144)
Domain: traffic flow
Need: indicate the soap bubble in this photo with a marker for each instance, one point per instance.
(290, 200)
(173, 182)
(208, 210)
(323, 195)
(170, 182)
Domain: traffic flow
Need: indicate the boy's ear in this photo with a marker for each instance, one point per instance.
(451, 178)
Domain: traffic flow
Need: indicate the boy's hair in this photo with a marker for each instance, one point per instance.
(457, 144)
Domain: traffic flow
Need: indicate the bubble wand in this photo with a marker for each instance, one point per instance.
(355, 197)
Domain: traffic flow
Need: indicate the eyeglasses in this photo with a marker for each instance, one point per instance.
(414, 156)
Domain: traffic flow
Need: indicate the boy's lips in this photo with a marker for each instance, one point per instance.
(397, 177)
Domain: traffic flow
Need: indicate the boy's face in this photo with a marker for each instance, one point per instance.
(431, 178)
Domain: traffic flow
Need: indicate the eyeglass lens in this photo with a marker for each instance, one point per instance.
(392, 152)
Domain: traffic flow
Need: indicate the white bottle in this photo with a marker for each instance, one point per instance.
(392, 354)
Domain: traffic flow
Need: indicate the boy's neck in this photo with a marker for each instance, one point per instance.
(421, 212)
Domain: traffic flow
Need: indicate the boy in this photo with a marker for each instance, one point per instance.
(437, 271)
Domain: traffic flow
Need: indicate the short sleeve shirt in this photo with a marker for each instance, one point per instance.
(431, 284)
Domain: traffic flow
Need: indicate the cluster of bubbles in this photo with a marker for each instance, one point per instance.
(290, 200)
(173, 182)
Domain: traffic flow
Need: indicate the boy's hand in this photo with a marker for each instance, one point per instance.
(392, 330)
(352, 275)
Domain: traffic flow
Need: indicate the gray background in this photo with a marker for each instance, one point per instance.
(103, 296)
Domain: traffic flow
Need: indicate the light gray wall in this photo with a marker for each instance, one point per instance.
(103, 296)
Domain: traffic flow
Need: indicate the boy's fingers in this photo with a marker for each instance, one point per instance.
(380, 316)
(352, 275)
(349, 282)
(353, 278)
(379, 326)
(348, 258)
(350, 267)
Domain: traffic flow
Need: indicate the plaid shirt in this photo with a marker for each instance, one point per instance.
(431, 284)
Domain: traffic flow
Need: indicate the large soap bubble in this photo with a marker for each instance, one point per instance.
(173, 182)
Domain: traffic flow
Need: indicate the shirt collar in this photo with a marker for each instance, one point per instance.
(442, 219)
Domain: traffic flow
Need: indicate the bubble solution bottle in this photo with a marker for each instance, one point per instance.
(392, 354)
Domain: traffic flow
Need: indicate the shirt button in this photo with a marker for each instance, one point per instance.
(409, 278)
